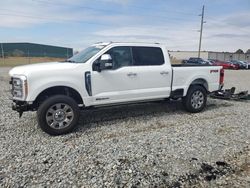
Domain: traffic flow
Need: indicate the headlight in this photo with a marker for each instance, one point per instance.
(17, 83)
(19, 88)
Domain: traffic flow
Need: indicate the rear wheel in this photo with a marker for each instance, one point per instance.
(196, 99)
(58, 115)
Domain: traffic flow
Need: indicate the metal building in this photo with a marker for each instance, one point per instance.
(223, 56)
(34, 50)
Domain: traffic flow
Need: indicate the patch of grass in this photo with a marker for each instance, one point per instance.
(15, 61)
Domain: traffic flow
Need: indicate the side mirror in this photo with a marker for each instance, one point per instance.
(106, 62)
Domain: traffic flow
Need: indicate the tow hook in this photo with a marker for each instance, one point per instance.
(229, 94)
(20, 114)
(17, 108)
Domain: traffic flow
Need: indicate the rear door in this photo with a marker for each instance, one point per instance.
(152, 77)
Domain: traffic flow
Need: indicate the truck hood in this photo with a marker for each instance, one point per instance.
(41, 67)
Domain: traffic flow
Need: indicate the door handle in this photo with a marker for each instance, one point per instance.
(131, 74)
(163, 72)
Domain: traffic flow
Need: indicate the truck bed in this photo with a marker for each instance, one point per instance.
(184, 75)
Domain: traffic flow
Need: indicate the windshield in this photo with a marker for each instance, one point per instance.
(85, 55)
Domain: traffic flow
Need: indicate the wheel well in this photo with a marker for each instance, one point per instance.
(200, 82)
(58, 90)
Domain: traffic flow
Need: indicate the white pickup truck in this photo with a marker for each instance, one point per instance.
(108, 74)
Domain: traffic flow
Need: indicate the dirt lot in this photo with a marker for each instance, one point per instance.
(145, 145)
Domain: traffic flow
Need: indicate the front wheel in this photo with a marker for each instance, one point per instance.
(196, 99)
(58, 115)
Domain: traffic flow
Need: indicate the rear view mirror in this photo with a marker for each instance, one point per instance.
(106, 62)
(106, 57)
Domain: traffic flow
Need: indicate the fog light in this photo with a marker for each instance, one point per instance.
(17, 93)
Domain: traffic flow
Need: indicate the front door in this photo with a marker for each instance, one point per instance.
(114, 85)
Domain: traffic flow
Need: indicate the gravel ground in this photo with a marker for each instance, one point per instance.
(145, 145)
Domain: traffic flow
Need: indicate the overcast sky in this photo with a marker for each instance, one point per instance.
(78, 23)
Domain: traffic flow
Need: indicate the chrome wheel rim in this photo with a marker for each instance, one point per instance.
(59, 116)
(197, 99)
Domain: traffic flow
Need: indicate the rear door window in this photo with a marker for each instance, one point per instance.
(143, 56)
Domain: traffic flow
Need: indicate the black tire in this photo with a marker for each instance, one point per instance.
(63, 124)
(189, 102)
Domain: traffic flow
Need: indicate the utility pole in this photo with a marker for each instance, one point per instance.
(201, 30)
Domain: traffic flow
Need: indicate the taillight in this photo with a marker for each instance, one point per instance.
(221, 76)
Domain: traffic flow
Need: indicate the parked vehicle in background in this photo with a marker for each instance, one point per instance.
(184, 61)
(241, 64)
(197, 61)
(248, 65)
(107, 74)
(225, 64)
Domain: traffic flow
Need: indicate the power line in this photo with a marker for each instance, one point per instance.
(215, 22)
(23, 14)
(171, 11)
(109, 10)
(61, 20)
(56, 19)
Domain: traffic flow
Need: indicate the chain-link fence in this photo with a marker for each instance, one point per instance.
(26, 53)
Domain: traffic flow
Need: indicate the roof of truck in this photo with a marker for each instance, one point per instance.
(127, 43)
